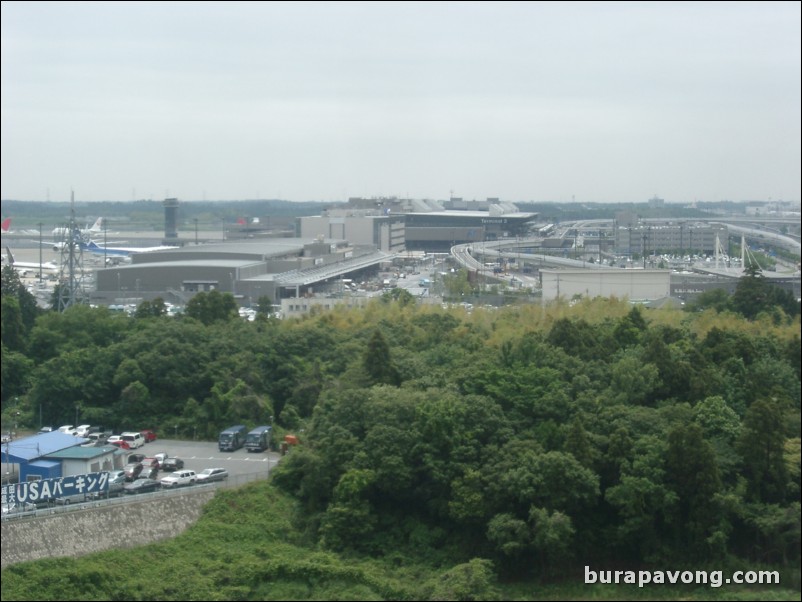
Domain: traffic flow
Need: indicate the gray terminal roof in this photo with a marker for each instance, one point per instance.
(253, 251)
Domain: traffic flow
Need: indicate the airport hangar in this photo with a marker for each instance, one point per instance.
(276, 268)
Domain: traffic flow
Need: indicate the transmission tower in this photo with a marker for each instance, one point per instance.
(71, 275)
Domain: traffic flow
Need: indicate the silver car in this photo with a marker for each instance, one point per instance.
(209, 475)
(75, 498)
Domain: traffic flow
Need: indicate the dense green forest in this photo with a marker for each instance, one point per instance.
(445, 454)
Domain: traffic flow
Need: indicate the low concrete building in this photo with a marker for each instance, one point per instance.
(81, 460)
(636, 285)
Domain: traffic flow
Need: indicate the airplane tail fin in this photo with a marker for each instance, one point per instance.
(97, 226)
(10, 255)
(6, 225)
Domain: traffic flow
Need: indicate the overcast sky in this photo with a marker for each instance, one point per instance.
(305, 101)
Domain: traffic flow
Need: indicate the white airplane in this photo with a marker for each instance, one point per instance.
(61, 233)
(26, 267)
(93, 247)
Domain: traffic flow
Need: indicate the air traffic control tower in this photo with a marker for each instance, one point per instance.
(170, 219)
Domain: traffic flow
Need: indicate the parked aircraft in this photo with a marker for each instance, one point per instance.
(61, 233)
(93, 247)
(25, 267)
(6, 226)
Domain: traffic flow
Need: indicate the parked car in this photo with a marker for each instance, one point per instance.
(67, 428)
(94, 440)
(115, 488)
(133, 438)
(82, 430)
(116, 482)
(117, 440)
(179, 478)
(99, 439)
(134, 458)
(141, 486)
(132, 471)
(148, 435)
(212, 474)
(172, 464)
(149, 471)
(75, 498)
(46, 429)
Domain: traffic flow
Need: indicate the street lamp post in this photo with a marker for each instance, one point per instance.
(40, 252)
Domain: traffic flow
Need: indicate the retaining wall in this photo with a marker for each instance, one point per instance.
(101, 527)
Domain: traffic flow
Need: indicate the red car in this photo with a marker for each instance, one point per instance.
(148, 435)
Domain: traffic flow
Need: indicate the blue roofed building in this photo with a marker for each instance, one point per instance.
(45, 456)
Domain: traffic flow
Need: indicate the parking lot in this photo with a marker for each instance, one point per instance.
(241, 466)
(198, 455)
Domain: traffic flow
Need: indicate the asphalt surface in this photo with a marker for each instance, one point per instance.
(198, 455)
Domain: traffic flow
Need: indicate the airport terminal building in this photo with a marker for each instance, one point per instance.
(394, 225)
(277, 268)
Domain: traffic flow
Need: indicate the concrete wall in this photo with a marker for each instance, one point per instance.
(634, 284)
(102, 527)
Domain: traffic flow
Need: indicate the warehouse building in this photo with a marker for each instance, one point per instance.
(276, 268)
(636, 285)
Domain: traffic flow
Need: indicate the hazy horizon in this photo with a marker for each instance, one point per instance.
(528, 102)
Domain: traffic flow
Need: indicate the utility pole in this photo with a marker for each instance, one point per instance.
(70, 287)
(643, 249)
(40, 252)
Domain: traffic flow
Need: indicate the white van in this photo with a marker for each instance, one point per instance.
(134, 440)
(82, 430)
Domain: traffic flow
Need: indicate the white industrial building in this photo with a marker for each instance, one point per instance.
(385, 232)
(636, 285)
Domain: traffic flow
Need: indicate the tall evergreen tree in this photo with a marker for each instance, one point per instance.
(761, 446)
(692, 472)
(377, 362)
(751, 295)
